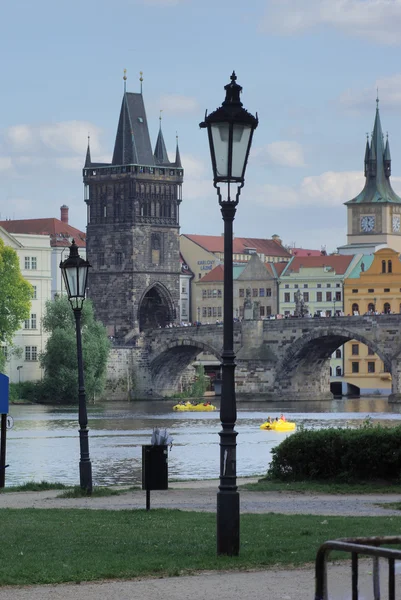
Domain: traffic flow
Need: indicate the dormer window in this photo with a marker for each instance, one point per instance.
(140, 120)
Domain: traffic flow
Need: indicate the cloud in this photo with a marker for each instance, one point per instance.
(285, 154)
(389, 93)
(198, 180)
(176, 104)
(377, 20)
(5, 163)
(328, 189)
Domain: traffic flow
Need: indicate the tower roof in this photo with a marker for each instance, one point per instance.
(377, 186)
(177, 156)
(132, 144)
(88, 160)
(161, 156)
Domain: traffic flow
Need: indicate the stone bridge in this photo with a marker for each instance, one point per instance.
(276, 358)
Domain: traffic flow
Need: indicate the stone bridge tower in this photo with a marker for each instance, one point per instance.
(133, 227)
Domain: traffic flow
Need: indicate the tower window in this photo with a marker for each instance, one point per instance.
(155, 249)
(383, 266)
(119, 258)
(389, 267)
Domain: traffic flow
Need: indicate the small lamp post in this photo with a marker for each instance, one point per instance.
(198, 314)
(230, 130)
(334, 307)
(374, 300)
(75, 274)
(19, 380)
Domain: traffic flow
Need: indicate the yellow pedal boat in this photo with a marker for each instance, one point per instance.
(278, 425)
(188, 406)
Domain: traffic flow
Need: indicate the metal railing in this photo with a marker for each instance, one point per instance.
(370, 546)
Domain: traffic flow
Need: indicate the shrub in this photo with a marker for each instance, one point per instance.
(367, 453)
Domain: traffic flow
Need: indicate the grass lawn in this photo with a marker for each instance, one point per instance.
(323, 487)
(55, 545)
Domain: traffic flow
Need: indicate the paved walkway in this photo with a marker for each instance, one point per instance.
(271, 584)
(201, 496)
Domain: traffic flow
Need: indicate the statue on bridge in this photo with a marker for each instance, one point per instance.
(301, 309)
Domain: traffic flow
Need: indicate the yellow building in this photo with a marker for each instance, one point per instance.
(373, 286)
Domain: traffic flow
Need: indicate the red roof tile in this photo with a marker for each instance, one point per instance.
(216, 274)
(280, 267)
(60, 233)
(338, 262)
(215, 243)
(305, 252)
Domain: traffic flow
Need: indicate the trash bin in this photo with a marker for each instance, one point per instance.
(155, 467)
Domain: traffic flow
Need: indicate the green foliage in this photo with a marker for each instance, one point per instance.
(15, 296)
(60, 383)
(365, 454)
(28, 391)
(97, 492)
(34, 486)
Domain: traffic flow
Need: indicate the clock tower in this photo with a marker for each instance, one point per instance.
(374, 216)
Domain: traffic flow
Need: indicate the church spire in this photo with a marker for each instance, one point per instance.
(88, 160)
(160, 153)
(377, 169)
(177, 154)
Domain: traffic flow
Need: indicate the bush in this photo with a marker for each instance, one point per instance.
(367, 453)
(26, 390)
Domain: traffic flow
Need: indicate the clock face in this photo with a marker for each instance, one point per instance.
(396, 223)
(367, 223)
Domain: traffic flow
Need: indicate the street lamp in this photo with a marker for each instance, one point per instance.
(75, 274)
(230, 130)
(198, 314)
(334, 307)
(19, 380)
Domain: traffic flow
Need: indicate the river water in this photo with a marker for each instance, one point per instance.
(44, 443)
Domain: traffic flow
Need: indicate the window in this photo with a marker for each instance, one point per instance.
(338, 371)
(286, 286)
(35, 292)
(241, 311)
(370, 352)
(204, 311)
(371, 307)
(33, 321)
(305, 285)
(26, 324)
(254, 293)
(354, 291)
(319, 296)
(262, 311)
(155, 249)
(209, 293)
(219, 293)
(241, 293)
(287, 297)
(104, 210)
(261, 292)
(306, 296)
(355, 349)
(355, 309)
(296, 286)
(328, 284)
(355, 367)
(387, 308)
(338, 353)
(319, 285)
(203, 294)
(31, 353)
(338, 296)
(328, 296)
(30, 262)
(183, 289)
(268, 292)
(199, 275)
(338, 284)
(119, 258)
(27, 262)
(383, 266)
(371, 367)
(214, 311)
(101, 259)
(268, 310)
(386, 289)
(209, 311)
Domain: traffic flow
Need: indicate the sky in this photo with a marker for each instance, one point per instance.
(309, 68)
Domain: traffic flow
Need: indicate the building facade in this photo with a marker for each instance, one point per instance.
(34, 253)
(133, 228)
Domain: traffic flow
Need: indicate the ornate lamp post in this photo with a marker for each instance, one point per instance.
(230, 129)
(75, 274)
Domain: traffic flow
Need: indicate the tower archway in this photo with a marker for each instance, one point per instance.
(156, 309)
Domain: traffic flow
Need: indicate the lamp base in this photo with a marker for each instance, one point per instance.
(85, 476)
(228, 523)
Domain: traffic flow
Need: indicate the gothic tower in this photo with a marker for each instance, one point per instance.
(133, 227)
(374, 216)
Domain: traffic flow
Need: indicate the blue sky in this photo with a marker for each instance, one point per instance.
(310, 69)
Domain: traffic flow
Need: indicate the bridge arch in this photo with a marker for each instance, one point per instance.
(303, 371)
(173, 357)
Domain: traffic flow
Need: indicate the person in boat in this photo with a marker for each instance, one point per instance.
(282, 417)
(269, 419)
(276, 419)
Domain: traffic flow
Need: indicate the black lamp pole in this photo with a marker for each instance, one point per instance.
(230, 130)
(75, 274)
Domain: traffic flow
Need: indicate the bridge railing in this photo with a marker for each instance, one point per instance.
(371, 546)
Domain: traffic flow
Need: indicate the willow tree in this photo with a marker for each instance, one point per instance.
(15, 297)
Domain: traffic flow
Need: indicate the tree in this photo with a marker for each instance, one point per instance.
(15, 296)
(60, 383)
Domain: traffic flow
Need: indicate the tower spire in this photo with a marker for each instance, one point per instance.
(177, 154)
(141, 78)
(161, 156)
(125, 80)
(88, 160)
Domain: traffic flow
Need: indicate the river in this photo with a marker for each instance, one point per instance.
(44, 444)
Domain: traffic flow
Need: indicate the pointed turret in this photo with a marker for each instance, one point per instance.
(132, 144)
(160, 154)
(377, 169)
(88, 160)
(177, 156)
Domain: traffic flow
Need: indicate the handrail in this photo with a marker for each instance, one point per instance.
(369, 546)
